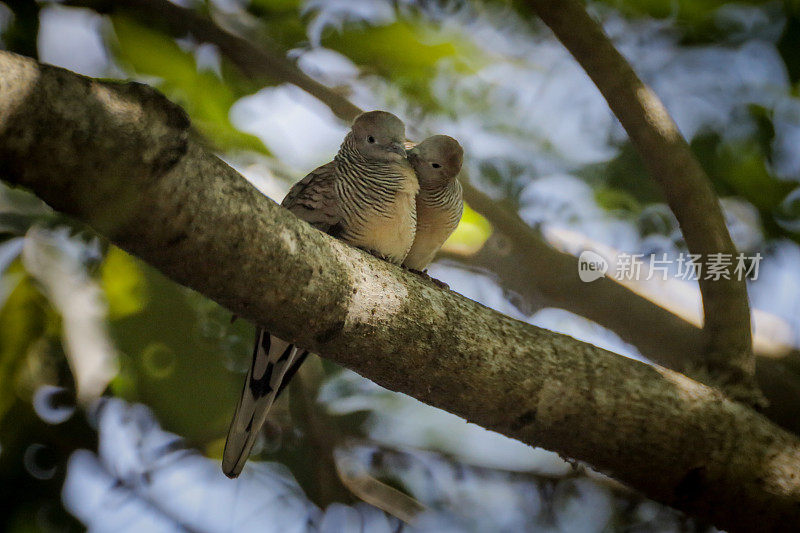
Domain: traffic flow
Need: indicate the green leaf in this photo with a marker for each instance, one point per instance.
(616, 200)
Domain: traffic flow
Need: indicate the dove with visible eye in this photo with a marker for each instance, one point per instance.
(366, 197)
(436, 161)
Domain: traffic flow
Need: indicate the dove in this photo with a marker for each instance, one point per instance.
(365, 197)
(436, 161)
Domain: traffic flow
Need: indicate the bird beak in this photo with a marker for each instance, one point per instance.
(398, 148)
(412, 153)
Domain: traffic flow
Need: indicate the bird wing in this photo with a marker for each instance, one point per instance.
(314, 198)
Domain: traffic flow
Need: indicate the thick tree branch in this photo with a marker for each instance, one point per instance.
(120, 158)
(670, 161)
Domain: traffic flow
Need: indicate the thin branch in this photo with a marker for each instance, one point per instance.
(670, 161)
(120, 158)
(339, 479)
(378, 493)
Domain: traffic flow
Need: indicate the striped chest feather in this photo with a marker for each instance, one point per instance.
(438, 215)
(382, 210)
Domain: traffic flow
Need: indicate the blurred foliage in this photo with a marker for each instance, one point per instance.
(174, 345)
(166, 334)
(123, 284)
(622, 182)
(790, 41)
(206, 95)
(735, 168)
(20, 36)
(406, 52)
(697, 18)
(739, 169)
(33, 453)
(472, 232)
(25, 321)
(281, 20)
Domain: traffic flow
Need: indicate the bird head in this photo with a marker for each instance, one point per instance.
(436, 160)
(379, 136)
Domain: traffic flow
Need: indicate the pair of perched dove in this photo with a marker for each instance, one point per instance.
(398, 205)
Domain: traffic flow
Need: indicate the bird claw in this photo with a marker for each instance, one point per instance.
(421, 273)
(424, 275)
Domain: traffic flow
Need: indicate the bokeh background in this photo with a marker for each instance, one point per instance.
(81, 318)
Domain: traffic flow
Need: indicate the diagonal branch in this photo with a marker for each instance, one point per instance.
(120, 158)
(670, 161)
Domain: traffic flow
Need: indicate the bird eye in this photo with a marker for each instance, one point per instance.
(436, 165)
(371, 139)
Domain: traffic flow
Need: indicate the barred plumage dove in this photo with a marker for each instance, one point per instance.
(366, 198)
(436, 161)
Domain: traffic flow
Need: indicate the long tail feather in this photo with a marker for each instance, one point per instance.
(295, 366)
(272, 358)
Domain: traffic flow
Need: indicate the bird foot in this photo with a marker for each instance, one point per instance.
(424, 275)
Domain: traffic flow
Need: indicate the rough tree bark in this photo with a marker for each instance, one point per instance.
(120, 158)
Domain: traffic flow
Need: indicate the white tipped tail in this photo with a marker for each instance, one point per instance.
(272, 357)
